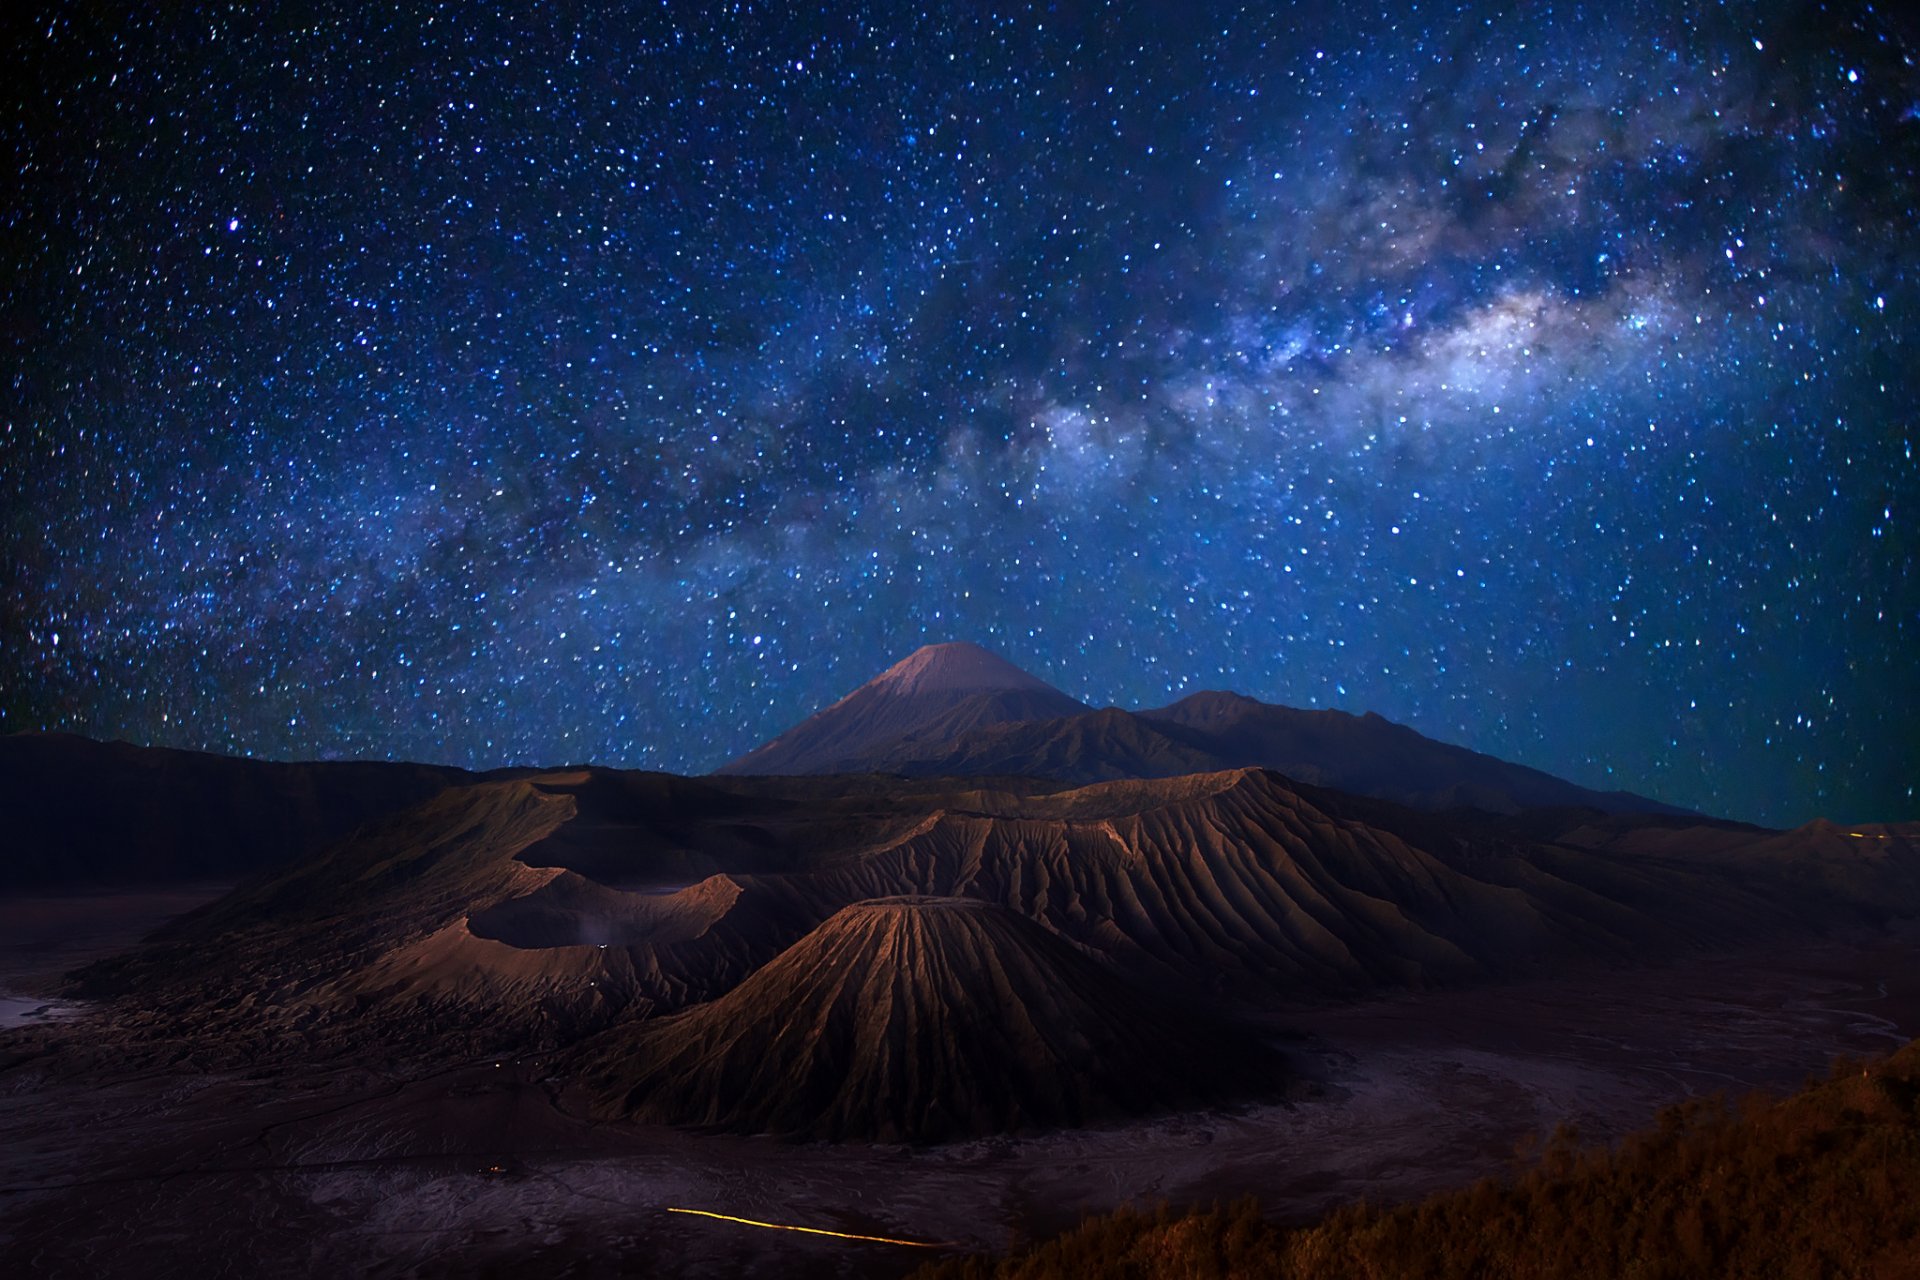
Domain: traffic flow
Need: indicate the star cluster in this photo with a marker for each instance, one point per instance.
(521, 383)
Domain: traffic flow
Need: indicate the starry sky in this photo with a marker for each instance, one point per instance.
(544, 383)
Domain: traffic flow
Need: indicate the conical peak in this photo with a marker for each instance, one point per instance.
(913, 916)
(953, 687)
(915, 903)
(954, 667)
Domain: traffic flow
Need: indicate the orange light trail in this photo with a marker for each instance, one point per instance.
(812, 1231)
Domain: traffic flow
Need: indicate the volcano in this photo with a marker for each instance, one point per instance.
(922, 1019)
(957, 711)
(933, 695)
(539, 911)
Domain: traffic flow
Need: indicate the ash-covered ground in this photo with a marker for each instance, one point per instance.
(374, 1168)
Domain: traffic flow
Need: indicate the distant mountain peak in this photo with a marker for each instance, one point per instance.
(1211, 702)
(956, 666)
(945, 688)
(1225, 697)
(958, 710)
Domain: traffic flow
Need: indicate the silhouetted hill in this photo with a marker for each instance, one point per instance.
(85, 813)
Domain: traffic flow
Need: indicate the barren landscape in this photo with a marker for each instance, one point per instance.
(602, 1022)
(359, 1169)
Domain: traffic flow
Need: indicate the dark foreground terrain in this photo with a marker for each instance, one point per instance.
(372, 1167)
(1824, 1182)
(598, 1022)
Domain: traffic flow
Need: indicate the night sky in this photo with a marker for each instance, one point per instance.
(520, 383)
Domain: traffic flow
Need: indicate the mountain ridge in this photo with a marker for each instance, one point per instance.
(955, 710)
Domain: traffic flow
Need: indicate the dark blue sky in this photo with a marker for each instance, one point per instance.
(456, 384)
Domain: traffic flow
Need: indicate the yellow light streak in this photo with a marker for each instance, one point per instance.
(812, 1231)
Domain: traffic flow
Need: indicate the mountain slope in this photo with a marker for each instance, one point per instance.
(1371, 755)
(955, 687)
(1239, 882)
(283, 963)
(1365, 755)
(921, 1019)
(459, 923)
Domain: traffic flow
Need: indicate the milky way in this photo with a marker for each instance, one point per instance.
(454, 384)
